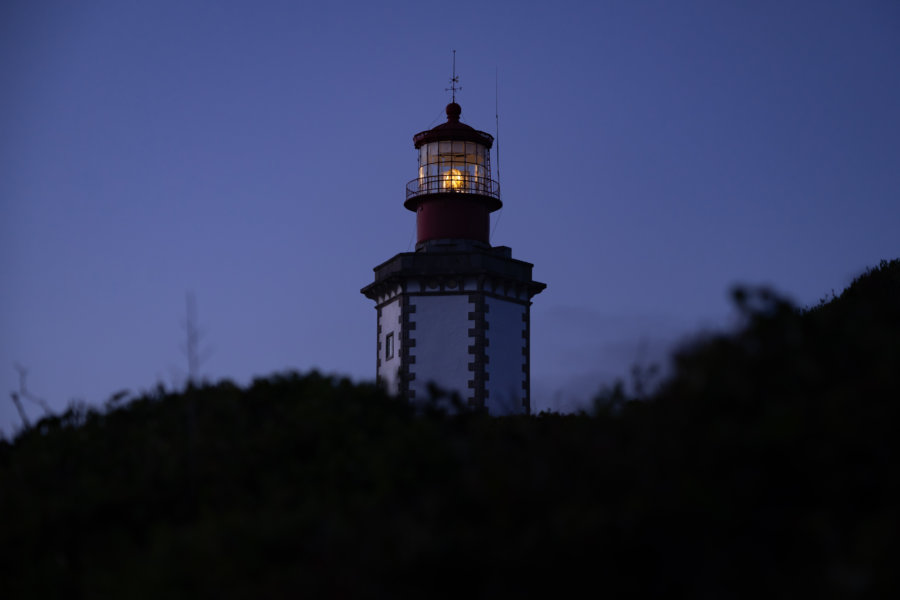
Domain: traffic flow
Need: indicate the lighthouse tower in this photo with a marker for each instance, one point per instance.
(456, 312)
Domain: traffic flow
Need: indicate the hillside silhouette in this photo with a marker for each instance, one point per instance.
(765, 464)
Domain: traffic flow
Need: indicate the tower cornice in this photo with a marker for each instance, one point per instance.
(493, 265)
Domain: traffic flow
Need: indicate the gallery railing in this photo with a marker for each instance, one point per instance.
(452, 183)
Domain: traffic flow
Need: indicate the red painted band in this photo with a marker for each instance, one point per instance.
(452, 218)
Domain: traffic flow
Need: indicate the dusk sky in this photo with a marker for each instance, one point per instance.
(652, 155)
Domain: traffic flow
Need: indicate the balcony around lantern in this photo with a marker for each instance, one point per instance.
(453, 181)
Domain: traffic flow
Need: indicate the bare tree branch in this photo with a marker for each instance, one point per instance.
(193, 336)
(23, 389)
(18, 403)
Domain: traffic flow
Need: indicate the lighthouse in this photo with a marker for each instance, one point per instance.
(456, 312)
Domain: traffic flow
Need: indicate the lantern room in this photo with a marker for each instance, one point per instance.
(454, 193)
(454, 166)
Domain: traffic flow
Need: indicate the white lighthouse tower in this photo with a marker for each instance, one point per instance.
(456, 312)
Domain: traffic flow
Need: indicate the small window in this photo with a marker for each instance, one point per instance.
(389, 346)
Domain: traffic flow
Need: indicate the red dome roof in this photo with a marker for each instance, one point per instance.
(453, 130)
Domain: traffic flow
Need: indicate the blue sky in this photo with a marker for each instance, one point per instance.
(653, 154)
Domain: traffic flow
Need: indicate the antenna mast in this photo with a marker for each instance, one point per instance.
(497, 146)
(454, 79)
(497, 116)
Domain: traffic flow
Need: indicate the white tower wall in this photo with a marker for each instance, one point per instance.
(440, 340)
(389, 325)
(506, 352)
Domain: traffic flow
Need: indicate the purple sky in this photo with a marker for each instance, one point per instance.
(653, 154)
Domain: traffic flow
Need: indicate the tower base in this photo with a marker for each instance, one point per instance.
(456, 314)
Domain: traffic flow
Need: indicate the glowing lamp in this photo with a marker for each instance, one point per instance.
(453, 180)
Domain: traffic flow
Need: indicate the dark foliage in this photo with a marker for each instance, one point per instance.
(764, 465)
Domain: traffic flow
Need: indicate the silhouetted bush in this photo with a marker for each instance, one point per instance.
(763, 466)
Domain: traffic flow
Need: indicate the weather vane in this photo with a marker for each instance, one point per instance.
(454, 79)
